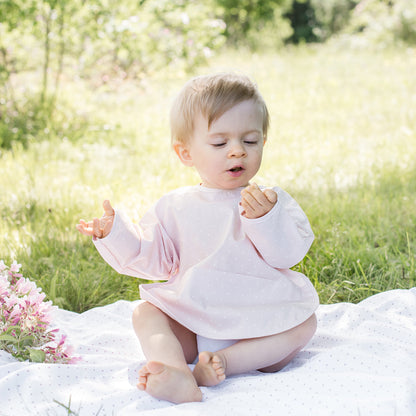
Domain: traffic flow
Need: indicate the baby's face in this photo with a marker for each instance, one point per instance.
(228, 153)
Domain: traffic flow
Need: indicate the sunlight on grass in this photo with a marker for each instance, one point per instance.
(342, 142)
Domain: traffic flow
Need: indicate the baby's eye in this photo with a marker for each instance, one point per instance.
(218, 144)
(250, 141)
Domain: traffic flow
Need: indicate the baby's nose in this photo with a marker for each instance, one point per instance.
(237, 150)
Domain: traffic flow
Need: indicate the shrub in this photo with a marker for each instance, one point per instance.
(385, 22)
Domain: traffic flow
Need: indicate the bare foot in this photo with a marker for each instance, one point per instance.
(210, 369)
(168, 383)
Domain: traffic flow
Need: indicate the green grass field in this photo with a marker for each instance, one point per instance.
(342, 142)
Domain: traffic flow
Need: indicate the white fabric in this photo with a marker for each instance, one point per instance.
(362, 361)
(229, 276)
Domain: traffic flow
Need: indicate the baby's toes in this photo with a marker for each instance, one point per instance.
(143, 374)
(216, 362)
(218, 367)
(142, 382)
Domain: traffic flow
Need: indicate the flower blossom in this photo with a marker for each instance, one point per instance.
(15, 267)
(25, 320)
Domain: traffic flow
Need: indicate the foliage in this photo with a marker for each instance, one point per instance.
(378, 22)
(315, 20)
(384, 22)
(25, 321)
(74, 38)
(134, 40)
(129, 37)
(26, 121)
(332, 16)
(255, 23)
(303, 21)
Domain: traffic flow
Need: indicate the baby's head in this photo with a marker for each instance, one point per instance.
(211, 96)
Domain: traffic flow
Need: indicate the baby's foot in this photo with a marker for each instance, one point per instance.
(210, 369)
(168, 383)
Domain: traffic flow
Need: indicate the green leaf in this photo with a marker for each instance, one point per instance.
(13, 328)
(10, 338)
(37, 356)
(28, 340)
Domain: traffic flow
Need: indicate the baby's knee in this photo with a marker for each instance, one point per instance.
(142, 312)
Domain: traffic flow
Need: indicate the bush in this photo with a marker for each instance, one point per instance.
(316, 20)
(332, 16)
(381, 22)
(385, 22)
(53, 39)
(134, 40)
(19, 124)
(255, 23)
(27, 121)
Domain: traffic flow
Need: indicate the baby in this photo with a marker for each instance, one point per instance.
(223, 250)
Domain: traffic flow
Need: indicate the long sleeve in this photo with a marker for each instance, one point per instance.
(144, 251)
(283, 236)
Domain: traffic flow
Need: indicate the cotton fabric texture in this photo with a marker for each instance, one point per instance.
(228, 277)
(361, 361)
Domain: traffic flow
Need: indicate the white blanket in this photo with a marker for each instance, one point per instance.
(362, 361)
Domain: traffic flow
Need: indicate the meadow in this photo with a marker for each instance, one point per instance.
(342, 142)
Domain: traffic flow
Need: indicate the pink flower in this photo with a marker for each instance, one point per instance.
(15, 267)
(15, 314)
(62, 341)
(24, 286)
(4, 287)
(22, 305)
(11, 300)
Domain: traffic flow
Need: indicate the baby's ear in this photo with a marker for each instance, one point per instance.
(182, 150)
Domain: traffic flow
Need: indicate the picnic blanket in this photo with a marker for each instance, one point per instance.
(362, 361)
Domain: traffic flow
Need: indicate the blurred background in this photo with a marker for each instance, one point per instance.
(85, 92)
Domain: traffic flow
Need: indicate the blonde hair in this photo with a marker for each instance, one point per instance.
(212, 96)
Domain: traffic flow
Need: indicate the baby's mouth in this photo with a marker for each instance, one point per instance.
(236, 169)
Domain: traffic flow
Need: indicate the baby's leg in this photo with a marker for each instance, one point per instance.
(168, 347)
(268, 354)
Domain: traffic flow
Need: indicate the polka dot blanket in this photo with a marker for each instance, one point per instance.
(362, 361)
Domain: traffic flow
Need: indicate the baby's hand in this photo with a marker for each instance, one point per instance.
(256, 202)
(98, 228)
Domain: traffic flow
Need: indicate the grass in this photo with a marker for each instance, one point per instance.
(342, 142)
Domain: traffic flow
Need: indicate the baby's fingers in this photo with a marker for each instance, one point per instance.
(256, 202)
(108, 209)
(96, 228)
(270, 195)
(254, 194)
(107, 228)
(85, 228)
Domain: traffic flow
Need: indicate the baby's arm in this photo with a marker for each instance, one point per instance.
(255, 202)
(281, 235)
(98, 228)
(144, 250)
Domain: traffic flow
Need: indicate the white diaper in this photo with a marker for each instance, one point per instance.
(212, 345)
